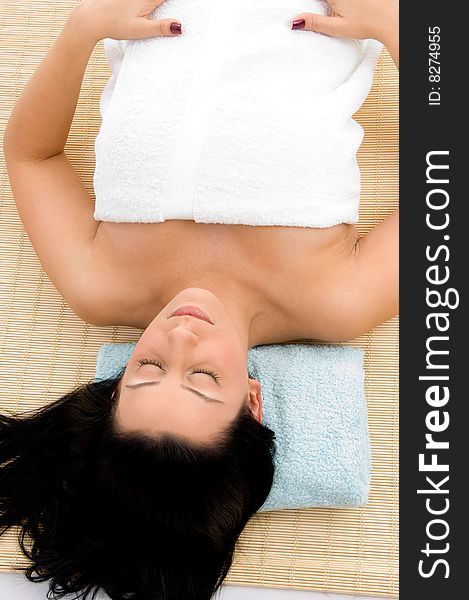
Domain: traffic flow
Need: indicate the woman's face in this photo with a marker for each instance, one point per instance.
(187, 376)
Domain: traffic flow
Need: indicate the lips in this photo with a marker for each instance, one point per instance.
(191, 311)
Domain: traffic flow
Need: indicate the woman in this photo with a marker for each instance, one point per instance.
(184, 409)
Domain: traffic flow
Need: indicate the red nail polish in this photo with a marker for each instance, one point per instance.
(175, 27)
(298, 24)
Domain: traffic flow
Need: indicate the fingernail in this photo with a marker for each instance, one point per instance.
(298, 24)
(175, 27)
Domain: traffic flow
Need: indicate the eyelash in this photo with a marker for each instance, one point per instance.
(148, 361)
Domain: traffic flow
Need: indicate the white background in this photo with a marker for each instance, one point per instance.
(15, 586)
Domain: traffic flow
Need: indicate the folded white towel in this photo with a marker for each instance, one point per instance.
(239, 120)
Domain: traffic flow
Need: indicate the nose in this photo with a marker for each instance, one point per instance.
(182, 334)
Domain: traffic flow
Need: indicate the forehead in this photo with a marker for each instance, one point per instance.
(197, 422)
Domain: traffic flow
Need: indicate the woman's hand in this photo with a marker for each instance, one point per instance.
(122, 19)
(357, 19)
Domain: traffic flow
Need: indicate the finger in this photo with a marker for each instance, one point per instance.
(321, 24)
(145, 28)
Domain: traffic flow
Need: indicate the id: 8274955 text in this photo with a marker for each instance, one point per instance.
(434, 67)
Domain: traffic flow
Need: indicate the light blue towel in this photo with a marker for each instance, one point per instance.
(313, 399)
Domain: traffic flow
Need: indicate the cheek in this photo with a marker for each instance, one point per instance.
(232, 355)
(150, 339)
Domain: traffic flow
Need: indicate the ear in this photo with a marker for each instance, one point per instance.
(255, 398)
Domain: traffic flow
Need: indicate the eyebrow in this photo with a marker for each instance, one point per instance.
(145, 383)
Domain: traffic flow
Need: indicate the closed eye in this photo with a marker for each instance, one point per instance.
(157, 363)
(149, 361)
(211, 373)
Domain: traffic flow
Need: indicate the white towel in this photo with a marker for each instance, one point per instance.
(239, 120)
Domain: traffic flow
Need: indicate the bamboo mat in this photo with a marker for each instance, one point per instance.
(45, 350)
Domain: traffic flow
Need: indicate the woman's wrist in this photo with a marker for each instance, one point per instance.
(388, 29)
(388, 32)
(390, 39)
(80, 24)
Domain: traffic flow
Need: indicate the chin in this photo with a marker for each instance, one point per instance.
(197, 291)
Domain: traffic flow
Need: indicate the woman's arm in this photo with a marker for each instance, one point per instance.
(371, 281)
(358, 19)
(54, 205)
(40, 122)
(41, 119)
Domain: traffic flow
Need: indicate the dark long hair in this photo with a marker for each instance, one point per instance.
(143, 518)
